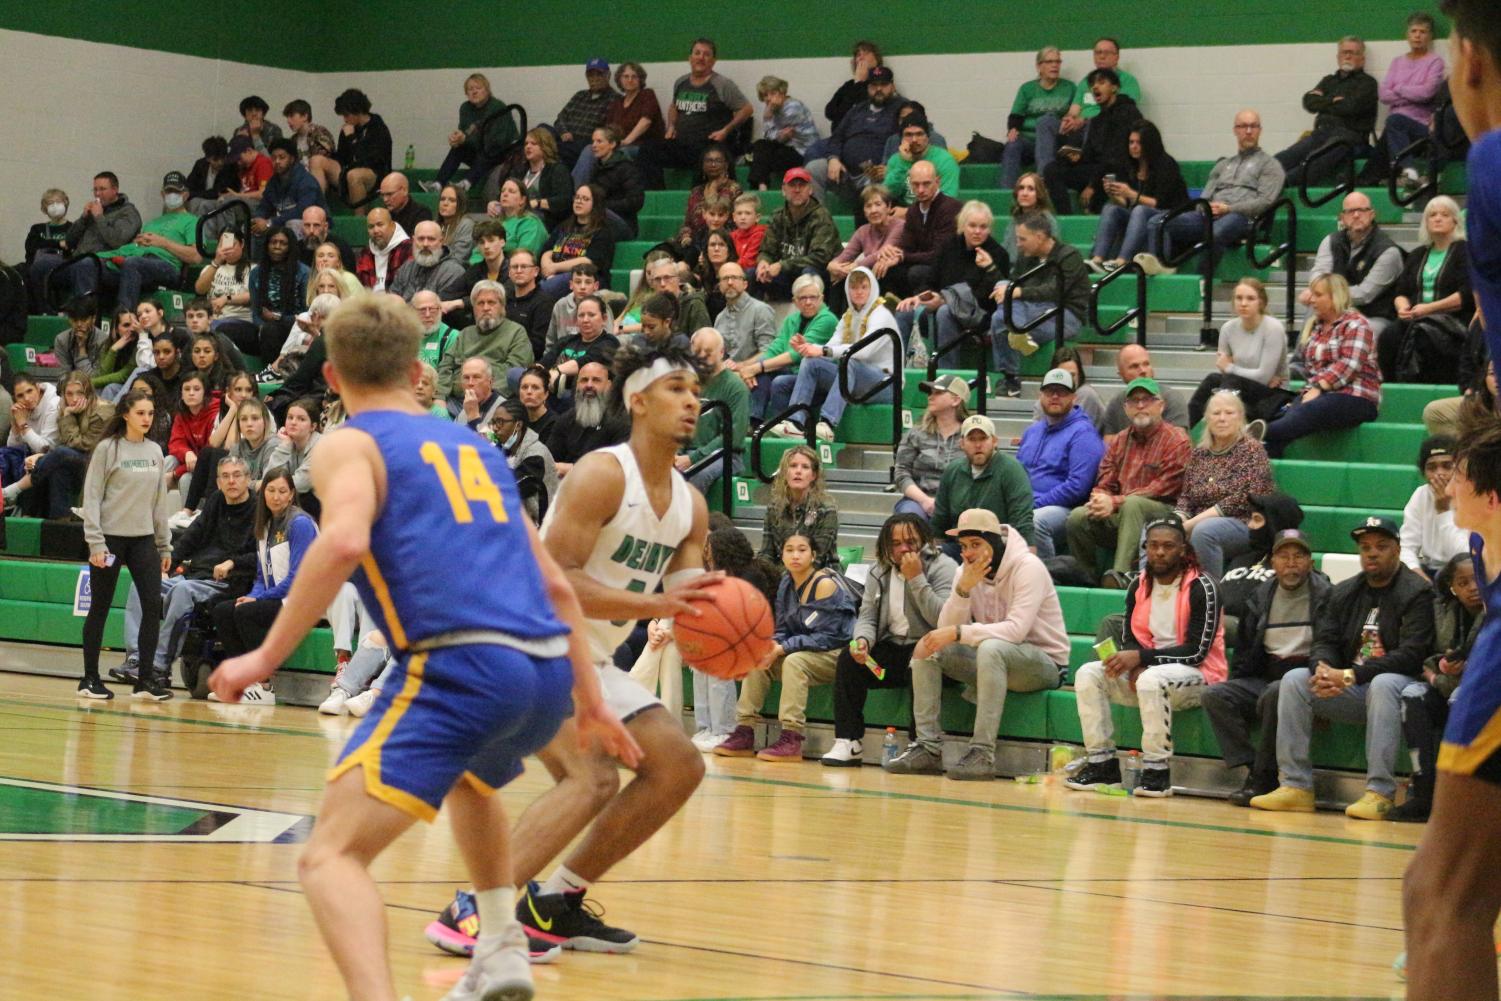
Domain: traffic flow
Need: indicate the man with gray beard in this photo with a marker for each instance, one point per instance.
(431, 268)
(589, 425)
(501, 342)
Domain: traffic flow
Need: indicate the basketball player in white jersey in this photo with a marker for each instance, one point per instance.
(624, 521)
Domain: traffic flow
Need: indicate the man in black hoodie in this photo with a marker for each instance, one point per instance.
(1106, 149)
(1271, 515)
(213, 557)
(1276, 634)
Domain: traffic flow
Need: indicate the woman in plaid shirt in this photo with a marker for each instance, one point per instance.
(1343, 387)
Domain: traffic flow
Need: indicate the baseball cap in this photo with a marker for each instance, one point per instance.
(1150, 385)
(240, 144)
(1375, 523)
(1172, 521)
(879, 74)
(174, 181)
(797, 174)
(977, 519)
(1058, 377)
(977, 422)
(955, 385)
(597, 64)
(1292, 537)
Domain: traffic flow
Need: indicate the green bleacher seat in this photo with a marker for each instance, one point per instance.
(1328, 528)
(41, 331)
(1377, 442)
(1404, 403)
(350, 229)
(23, 536)
(1339, 484)
(23, 356)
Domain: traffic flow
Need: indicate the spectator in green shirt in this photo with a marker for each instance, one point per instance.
(156, 256)
(984, 477)
(725, 384)
(1107, 56)
(916, 145)
(772, 376)
(1048, 97)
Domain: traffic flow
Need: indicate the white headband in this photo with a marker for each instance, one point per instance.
(642, 379)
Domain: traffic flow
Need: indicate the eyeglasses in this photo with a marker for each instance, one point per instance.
(1356, 211)
(1141, 402)
(518, 266)
(1243, 127)
(806, 298)
(1050, 62)
(732, 278)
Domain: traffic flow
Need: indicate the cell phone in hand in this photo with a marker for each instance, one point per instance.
(1109, 178)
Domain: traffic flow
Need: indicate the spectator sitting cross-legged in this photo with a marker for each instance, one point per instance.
(929, 448)
(1275, 636)
(772, 376)
(1239, 189)
(818, 376)
(1429, 536)
(1252, 358)
(815, 618)
(1172, 652)
(723, 384)
(1048, 97)
(1433, 303)
(983, 477)
(800, 503)
(282, 533)
(1134, 362)
(364, 150)
(1342, 386)
(706, 108)
(585, 237)
(1033, 296)
(1344, 106)
(1001, 629)
(1104, 150)
(904, 595)
(1152, 185)
(476, 140)
(315, 144)
(787, 131)
(1226, 469)
(1368, 647)
(1411, 91)
(1061, 452)
(389, 248)
(801, 238)
(1139, 479)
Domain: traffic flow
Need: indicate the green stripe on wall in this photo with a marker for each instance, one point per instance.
(386, 35)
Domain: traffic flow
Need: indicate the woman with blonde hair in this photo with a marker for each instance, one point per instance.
(800, 502)
(1434, 302)
(483, 135)
(331, 279)
(1342, 387)
(1224, 470)
(547, 183)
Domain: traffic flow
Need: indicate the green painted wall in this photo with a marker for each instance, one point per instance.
(505, 32)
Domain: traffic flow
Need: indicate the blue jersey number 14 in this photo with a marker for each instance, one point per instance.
(470, 485)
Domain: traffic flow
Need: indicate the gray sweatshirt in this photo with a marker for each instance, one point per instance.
(1258, 355)
(295, 459)
(125, 494)
(1247, 182)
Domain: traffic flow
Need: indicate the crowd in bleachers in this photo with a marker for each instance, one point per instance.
(521, 323)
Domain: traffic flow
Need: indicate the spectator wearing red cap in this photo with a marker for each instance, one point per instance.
(801, 238)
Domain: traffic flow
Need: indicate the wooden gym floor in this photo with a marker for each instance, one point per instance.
(149, 851)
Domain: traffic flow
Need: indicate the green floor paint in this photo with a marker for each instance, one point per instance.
(47, 811)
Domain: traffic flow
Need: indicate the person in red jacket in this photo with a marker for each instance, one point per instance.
(749, 230)
(197, 411)
(389, 248)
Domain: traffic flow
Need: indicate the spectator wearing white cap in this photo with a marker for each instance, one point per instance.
(1061, 452)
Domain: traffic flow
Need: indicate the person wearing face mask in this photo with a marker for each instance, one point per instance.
(1271, 514)
(529, 459)
(48, 236)
(155, 258)
(109, 220)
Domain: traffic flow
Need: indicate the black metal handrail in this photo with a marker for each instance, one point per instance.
(1286, 251)
(725, 453)
(1137, 313)
(1428, 188)
(235, 207)
(1344, 187)
(894, 380)
(1205, 249)
(980, 335)
(809, 430)
(1054, 314)
(53, 300)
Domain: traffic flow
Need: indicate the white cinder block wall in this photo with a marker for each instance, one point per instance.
(142, 113)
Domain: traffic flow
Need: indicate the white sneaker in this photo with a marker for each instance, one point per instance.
(258, 695)
(824, 432)
(499, 970)
(431, 187)
(463, 186)
(844, 754)
(181, 519)
(359, 705)
(706, 740)
(334, 705)
(787, 429)
(1152, 265)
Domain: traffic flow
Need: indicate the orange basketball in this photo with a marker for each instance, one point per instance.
(731, 635)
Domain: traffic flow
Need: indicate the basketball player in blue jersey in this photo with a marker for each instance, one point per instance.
(493, 670)
(624, 522)
(1452, 893)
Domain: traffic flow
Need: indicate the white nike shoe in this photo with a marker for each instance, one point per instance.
(335, 704)
(359, 705)
(499, 971)
(707, 740)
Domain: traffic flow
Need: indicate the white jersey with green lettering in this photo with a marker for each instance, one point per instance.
(634, 547)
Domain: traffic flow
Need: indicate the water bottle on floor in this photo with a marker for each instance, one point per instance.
(889, 746)
(1131, 772)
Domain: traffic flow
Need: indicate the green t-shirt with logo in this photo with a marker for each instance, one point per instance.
(1032, 102)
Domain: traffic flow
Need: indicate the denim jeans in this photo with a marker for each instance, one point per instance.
(1230, 228)
(1123, 232)
(1216, 540)
(1377, 706)
(771, 393)
(989, 671)
(1328, 412)
(1401, 132)
(819, 377)
(136, 274)
(1047, 529)
(179, 595)
(705, 479)
(1024, 311)
(364, 666)
(713, 703)
(1040, 151)
(56, 476)
(909, 506)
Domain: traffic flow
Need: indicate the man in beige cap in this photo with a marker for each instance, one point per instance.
(983, 478)
(1000, 630)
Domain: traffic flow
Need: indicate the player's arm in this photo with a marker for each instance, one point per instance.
(346, 470)
(594, 718)
(588, 500)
